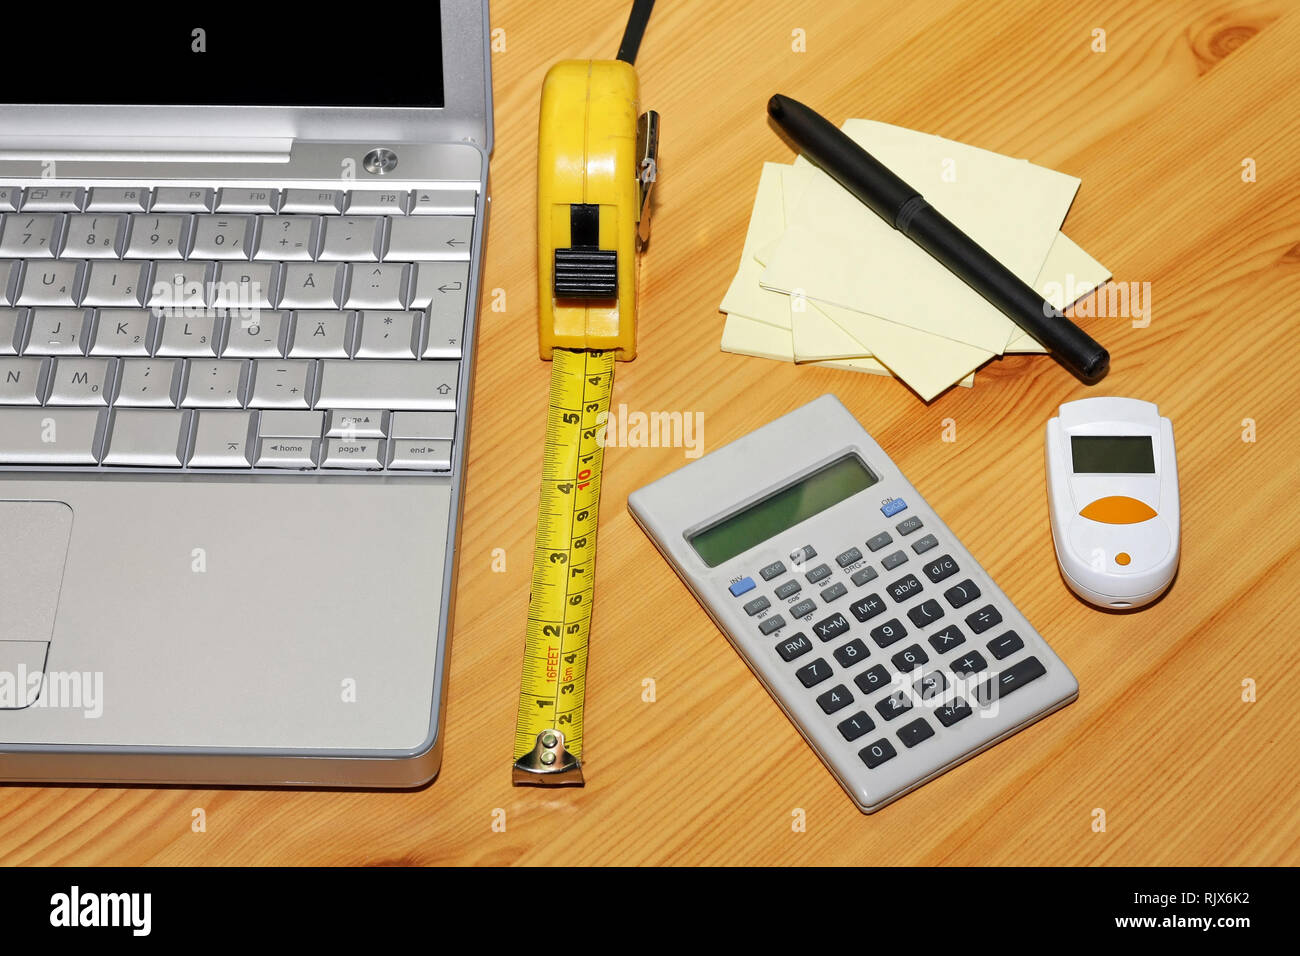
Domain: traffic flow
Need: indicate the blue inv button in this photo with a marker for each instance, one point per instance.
(741, 586)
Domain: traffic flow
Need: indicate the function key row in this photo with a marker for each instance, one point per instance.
(241, 199)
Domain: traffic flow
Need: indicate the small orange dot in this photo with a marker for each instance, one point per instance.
(1122, 558)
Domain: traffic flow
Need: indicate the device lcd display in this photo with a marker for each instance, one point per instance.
(1113, 454)
(230, 55)
(786, 508)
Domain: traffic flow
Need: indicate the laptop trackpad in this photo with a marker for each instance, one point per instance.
(34, 539)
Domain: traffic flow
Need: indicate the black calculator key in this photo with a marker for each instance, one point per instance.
(904, 588)
(888, 633)
(868, 607)
(806, 606)
(913, 733)
(834, 592)
(812, 674)
(894, 705)
(788, 589)
(945, 640)
(872, 679)
(983, 619)
(963, 593)
(1012, 679)
(848, 557)
(773, 623)
(806, 553)
(931, 685)
(873, 755)
(908, 525)
(831, 627)
(910, 657)
(756, 605)
(775, 569)
(856, 726)
(940, 568)
(819, 573)
(851, 653)
(879, 541)
(926, 613)
(796, 645)
(953, 711)
(972, 662)
(837, 698)
(1006, 645)
(863, 575)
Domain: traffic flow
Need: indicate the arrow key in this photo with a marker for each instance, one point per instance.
(430, 237)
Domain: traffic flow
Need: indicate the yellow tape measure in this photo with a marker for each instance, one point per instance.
(548, 734)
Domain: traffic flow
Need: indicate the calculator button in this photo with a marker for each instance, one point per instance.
(834, 592)
(832, 627)
(856, 726)
(908, 525)
(805, 606)
(863, 576)
(894, 560)
(868, 607)
(1012, 679)
(915, 732)
(891, 508)
(879, 541)
(904, 588)
(972, 662)
(983, 619)
(925, 544)
(1006, 645)
(837, 698)
(851, 653)
(931, 685)
(926, 613)
(895, 705)
(757, 605)
(873, 679)
(814, 673)
(888, 633)
(773, 623)
(945, 640)
(788, 589)
(772, 570)
(848, 557)
(873, 755)
(806, 553)
(940, 568)
(794, 646)
(910, 658)
(741, 586)
(963, 593)
(953, 711)
(819, 573)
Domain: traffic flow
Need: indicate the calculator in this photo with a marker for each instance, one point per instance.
(867, 620)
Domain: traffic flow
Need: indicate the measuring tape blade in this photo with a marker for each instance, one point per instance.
(548, 733)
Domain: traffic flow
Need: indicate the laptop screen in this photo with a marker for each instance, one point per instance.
(216, 55)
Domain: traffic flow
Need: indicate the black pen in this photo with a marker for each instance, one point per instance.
(907, 211)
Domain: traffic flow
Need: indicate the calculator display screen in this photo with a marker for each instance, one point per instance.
(1113, 454)
(781, 510)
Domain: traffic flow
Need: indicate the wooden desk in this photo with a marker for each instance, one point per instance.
(710, 772)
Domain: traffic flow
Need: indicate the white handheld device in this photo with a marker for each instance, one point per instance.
(1112, 487)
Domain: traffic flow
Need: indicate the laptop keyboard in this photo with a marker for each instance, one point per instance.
(249, 329)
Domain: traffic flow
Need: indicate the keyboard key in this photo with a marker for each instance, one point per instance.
(922, 545)
(299, 453)
(849, 557)
(738, 588)
(263, 335)
(868, 607)
(834, 592)
(220, 383)
(221, 237)
(277, 423)
(51, 283)
(181, 199)
(873, 679)
(181, 287)
(363, 202)
(891, 561)
(156, 237)
(93, 237)
(321, 335)
(953, 711)
(832, 627)
(891, 632)
(773, 623)
(803, 608)
(960, 594)
(773, 570)
(351, 238)
(851, 653)
(80, 381)
(837, 698)
(430, 237)
(812, 674)
(940, 568)
(48, 436)
(442, 288)
(904, 588)
(422, 454)
(894, 705)
(427, 386)
(222, 439)
(148, 383)
(931, 685)
(53, 199)
(13, 326)
(757, 606)
(422, 425)
(377, 286)
(863, 576)
(56, 331)
(873, 755)
(29, 236)
(118, 199)
(282, 384)
(910, 658)
(947, 639)
(855, 726)
(913, 733)
(180, 336)
(9, 197)
(363, 423)
(788, 589)
(794, 646)
(1009, 681)
(908, 525)
(891, 508)
(391, 335)
(146, 437)
(983, 619)
(114, 284)
(879, 541)
(1006, 645)
(312, 201)
(926, 613)
(453, 202)
(819, 573)
(245, 287)
(972, 662)
(247, 199)
(311, 285)
(359, 454)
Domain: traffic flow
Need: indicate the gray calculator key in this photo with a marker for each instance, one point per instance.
(772, 570)
(788, 589)
(50, 436)
(863, 576)
(819, 573)
(806, 606)
(879, 541)
(757, 605)
(834, 592)
(849, 557)
(149, 437)
(773, 623)
(908, 525)
(922, 545)
(889, 562)
(806, 553)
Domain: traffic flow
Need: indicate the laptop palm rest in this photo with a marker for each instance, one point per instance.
(34, 539)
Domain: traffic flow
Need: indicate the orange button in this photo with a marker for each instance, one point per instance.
(1118, 509)
(1122, 559)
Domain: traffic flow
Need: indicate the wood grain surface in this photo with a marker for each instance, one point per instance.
(711, 772)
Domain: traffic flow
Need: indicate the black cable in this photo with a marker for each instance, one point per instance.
(636, 23)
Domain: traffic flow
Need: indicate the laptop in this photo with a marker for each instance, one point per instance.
(239, 267)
